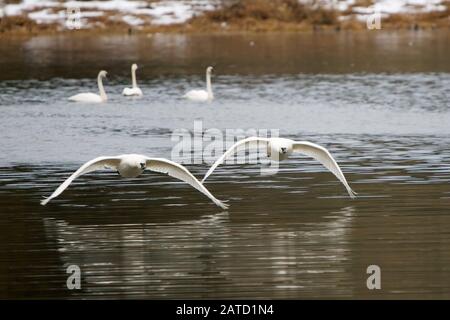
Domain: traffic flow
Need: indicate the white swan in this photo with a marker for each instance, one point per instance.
(202, 95)
(92, 97)
(279, 149)
(134, 90)
(131, 166)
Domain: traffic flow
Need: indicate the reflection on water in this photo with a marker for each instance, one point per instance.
(295, 234)
(217, 261)
(285, 53)
(291, 235)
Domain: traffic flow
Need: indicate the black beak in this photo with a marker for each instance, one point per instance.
(283, 150)
(142, 166)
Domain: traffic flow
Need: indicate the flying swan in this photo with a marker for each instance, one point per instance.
(202, 95)
(131, 166)
(92, 97)
(279, 149)
(134, 90)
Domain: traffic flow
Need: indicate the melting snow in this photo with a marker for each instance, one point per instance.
(132, 20)
(164, 12)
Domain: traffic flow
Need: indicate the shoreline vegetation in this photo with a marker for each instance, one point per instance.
(235, 16)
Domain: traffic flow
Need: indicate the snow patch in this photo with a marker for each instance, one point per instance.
(166, 12)
(133, 13)
(386, 6)
(132, 20)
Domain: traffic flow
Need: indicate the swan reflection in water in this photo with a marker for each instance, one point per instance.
(216, 256)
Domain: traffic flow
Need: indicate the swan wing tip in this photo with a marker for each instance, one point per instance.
(207, 175)
(44, 201)
(223, 205)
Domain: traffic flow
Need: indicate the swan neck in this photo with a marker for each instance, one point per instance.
(208, 86)
(133, 78)
(101, 89)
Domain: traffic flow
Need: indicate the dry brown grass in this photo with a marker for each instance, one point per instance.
(422, 20)
(264, 15)
(244, 16)
(21, 25)
(282, 10)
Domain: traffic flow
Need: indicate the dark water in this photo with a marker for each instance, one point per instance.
(378, 101)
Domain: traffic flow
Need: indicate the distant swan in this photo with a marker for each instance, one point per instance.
(134, 91)
(279, 149)
(133, 165)
(202, 95)
(92, 97)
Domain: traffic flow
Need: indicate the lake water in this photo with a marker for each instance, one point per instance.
(380, 102)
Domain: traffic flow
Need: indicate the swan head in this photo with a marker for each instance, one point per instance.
(103, 74)
(209, 70)
(138, 161)
(281, 147)
(132, 165)
(285, 149)
(134, 67)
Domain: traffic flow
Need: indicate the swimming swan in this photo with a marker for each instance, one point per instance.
(279, 149)
(134, 90)
(202, 95)
(133, 165)
(92, 97)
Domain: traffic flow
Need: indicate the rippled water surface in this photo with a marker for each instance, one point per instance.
(379, 102)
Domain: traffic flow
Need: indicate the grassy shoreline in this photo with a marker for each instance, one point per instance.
(250, 16)
(198, 28)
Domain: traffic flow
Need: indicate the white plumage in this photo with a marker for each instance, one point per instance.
(133, 165)
(202, 95)
(279, 149)
(134, 90)
(92, 97)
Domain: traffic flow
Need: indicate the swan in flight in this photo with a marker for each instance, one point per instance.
(279, 149)
(202, 95)
(131, 166)
(134, 91)
(92, 97)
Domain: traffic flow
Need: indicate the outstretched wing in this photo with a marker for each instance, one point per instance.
(178, 171)
(324, 157)
(249, 142)
(95, 164)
